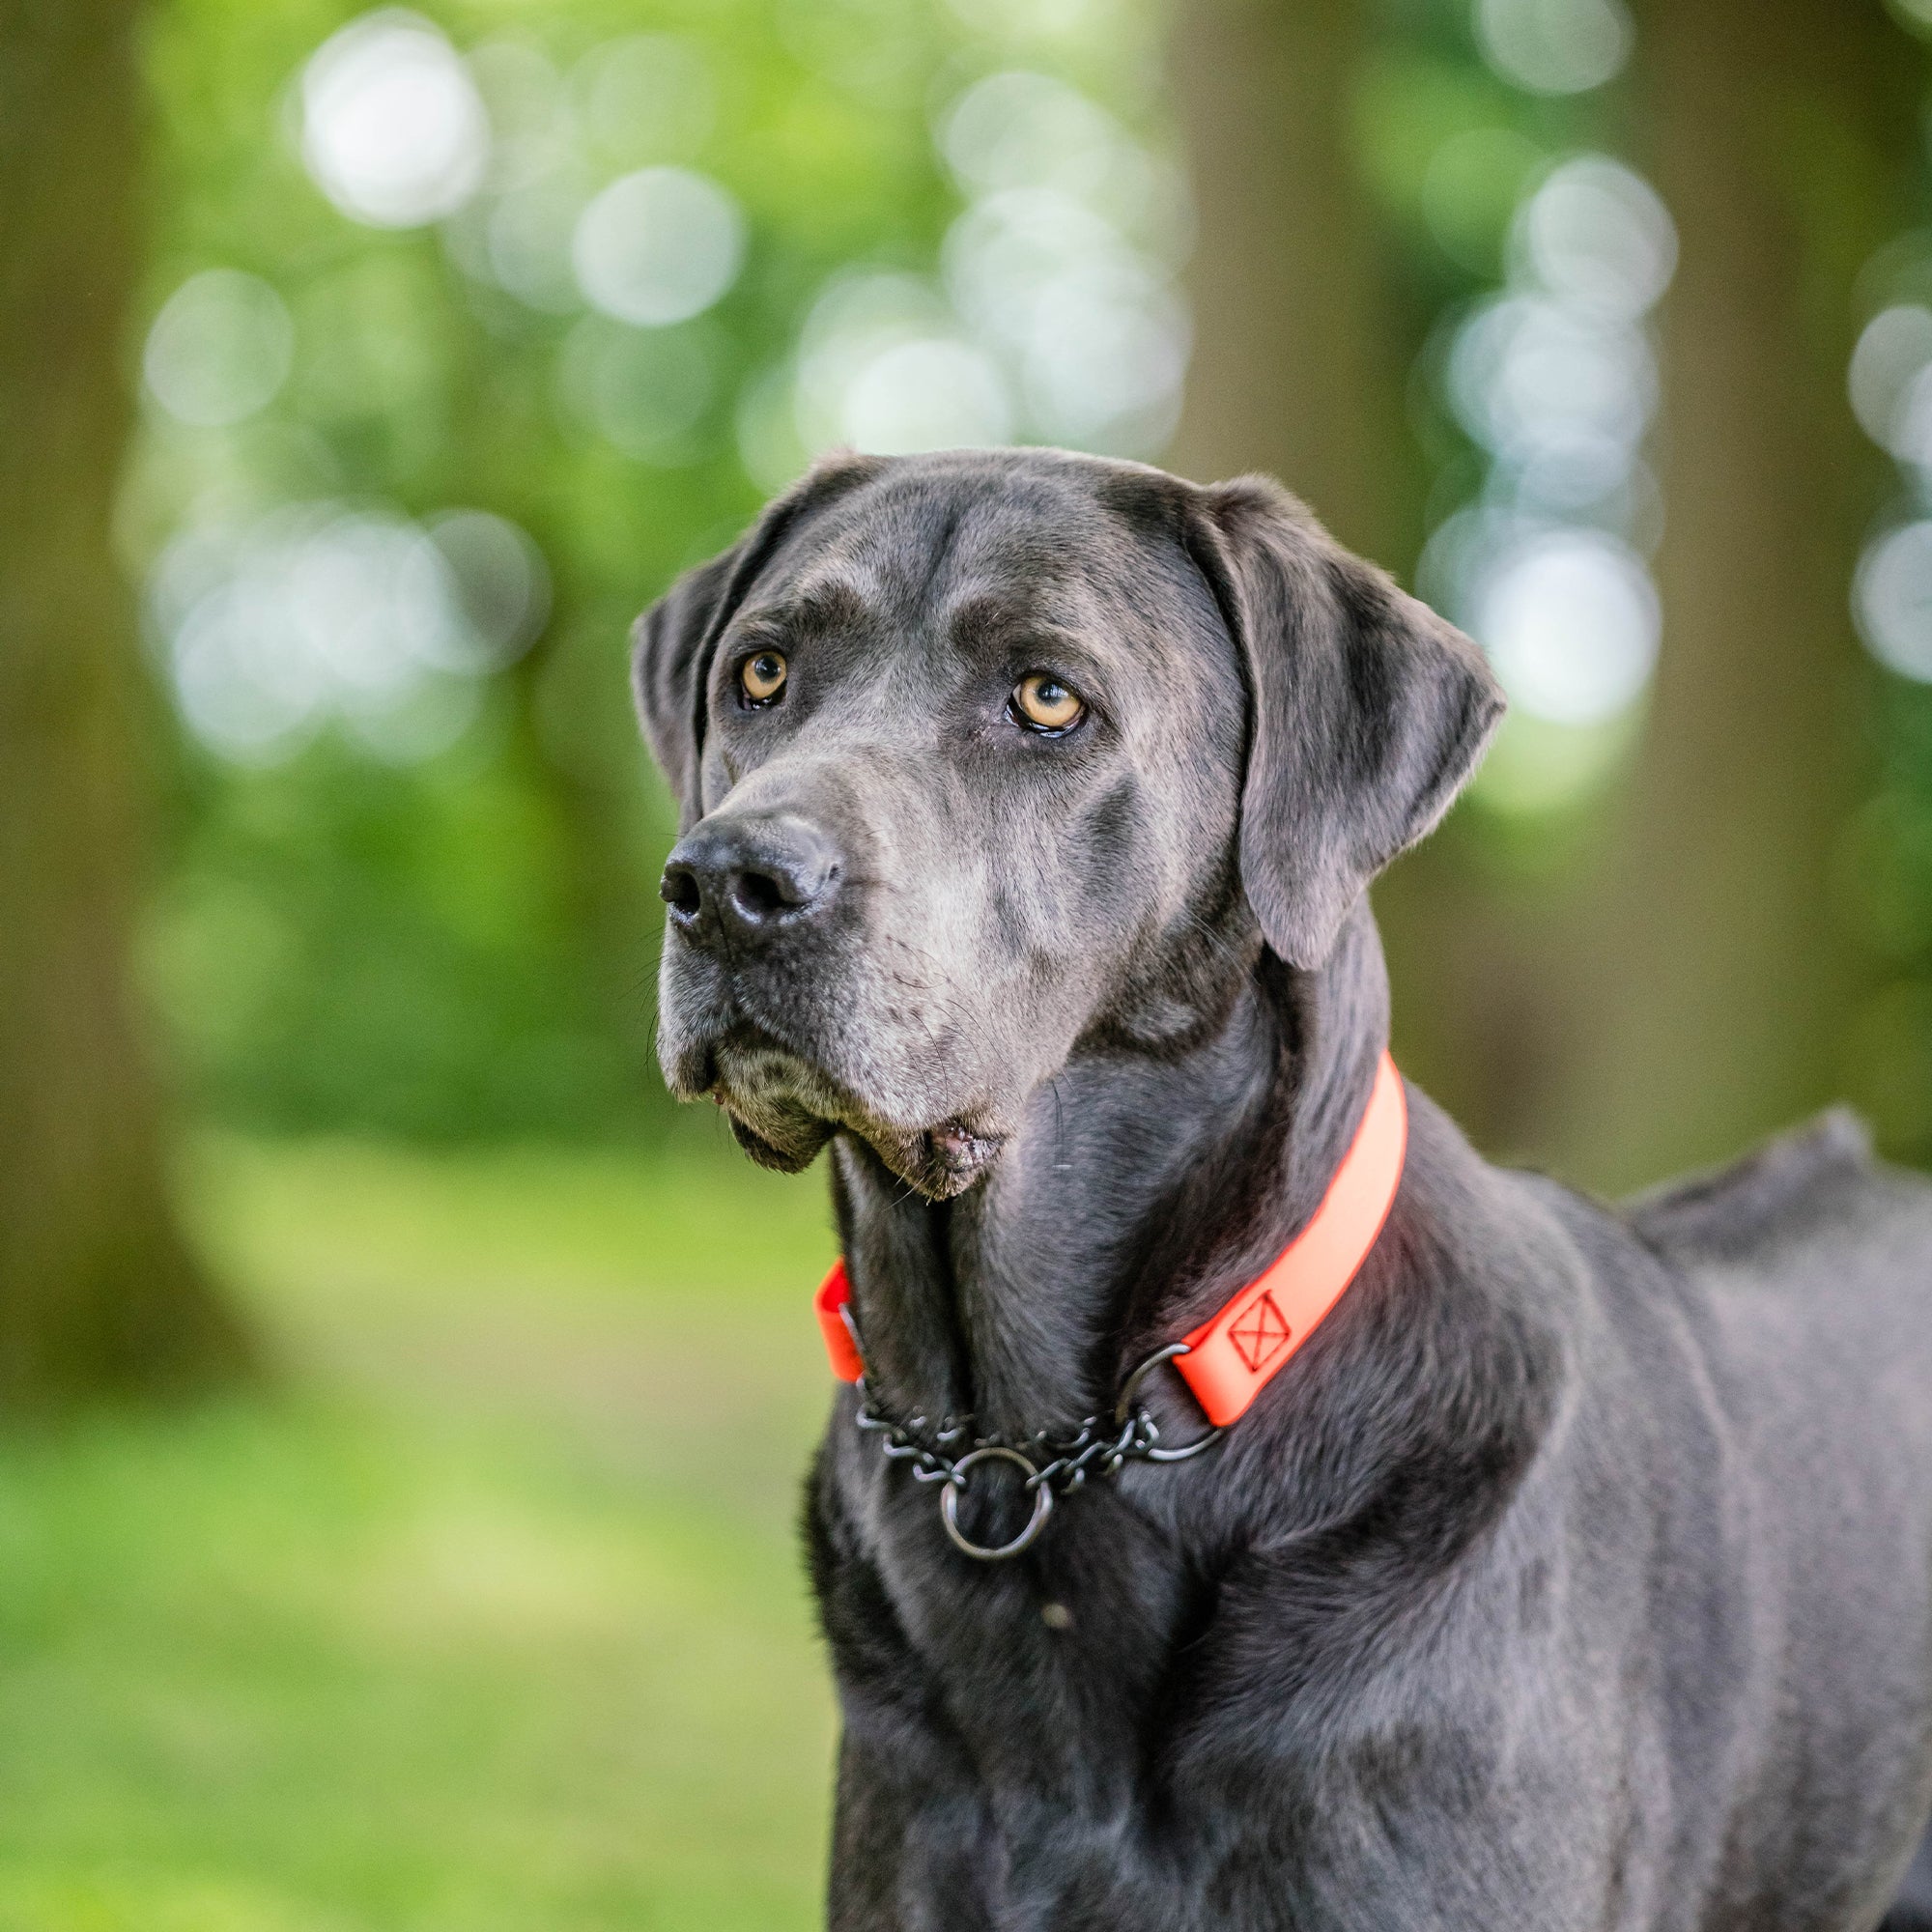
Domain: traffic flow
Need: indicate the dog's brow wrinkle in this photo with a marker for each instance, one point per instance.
(942, 540)
(973, 619)
(984, 610)
(977, 610)
(826, 604)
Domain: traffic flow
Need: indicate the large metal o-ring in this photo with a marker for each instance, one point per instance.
(1132, 1388)
(948, 1504)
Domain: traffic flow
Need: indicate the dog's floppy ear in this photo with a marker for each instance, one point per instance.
(672, 643)
(670, 659)
(1368, 711)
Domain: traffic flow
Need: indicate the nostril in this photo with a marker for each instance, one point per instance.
(732, 882)
(679, 889)
(758, 896)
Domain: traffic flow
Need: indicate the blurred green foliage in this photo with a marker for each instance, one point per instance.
(505, 1631)
(356, 933)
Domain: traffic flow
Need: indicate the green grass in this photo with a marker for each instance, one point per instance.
(490, 1618)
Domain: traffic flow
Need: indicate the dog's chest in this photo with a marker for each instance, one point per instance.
(1049, 1670)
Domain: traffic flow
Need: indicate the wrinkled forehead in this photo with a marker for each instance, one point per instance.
(988, 558)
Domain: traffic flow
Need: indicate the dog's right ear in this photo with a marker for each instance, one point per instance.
(670, 659)
(673, 642)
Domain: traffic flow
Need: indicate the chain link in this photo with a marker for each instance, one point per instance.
(1059, 1462)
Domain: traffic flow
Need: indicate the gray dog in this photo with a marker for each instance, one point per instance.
(1577, 1572)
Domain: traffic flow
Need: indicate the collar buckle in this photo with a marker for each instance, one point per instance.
(1125, 1409)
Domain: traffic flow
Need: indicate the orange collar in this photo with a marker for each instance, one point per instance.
(1231, 1356)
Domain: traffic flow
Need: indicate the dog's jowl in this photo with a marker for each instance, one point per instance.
(1554, 1566)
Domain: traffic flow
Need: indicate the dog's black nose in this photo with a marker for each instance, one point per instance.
(748, 878)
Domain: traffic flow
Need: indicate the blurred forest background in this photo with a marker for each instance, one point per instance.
(362, 374)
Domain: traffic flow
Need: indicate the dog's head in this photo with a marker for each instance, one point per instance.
(981, 754)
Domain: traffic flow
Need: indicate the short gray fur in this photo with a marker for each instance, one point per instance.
(1576, 1574)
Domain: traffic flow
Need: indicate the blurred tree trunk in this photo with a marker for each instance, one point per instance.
(1300, 368)
(96, 1291)
(1294, 371)
(1716, 981)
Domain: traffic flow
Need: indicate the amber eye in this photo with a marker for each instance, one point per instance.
(761, 678)
(1042, 703)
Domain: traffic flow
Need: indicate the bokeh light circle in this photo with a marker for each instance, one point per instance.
(219, 350)
(925, 394)
(1571, 621)
(1555, 46)
(1595, 234)
(1895, 350)
(1533, 378)
(1024, 129)
(883, 366)
(501, 585)
(658, 246)
(1099, 340)
(393, 129)
(1892, 599)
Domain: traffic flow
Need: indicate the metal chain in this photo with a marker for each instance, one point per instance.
(1053, 1465)
(1060, 1462)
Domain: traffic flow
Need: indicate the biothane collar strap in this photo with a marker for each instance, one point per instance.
(1233, 1355)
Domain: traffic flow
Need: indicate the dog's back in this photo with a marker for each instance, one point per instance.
(1811, 1264)
(1815, 1259)
(1743, 1214)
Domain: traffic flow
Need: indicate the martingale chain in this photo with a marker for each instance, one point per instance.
(1050, 1465)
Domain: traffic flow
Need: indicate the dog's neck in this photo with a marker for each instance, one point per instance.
(1138, 1193)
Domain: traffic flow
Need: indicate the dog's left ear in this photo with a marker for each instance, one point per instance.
(671, 645)
(1370, 711)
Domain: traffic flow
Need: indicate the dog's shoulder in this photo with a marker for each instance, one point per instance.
(1817, 1177)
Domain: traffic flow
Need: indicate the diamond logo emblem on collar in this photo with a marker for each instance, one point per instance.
(1260, 1331)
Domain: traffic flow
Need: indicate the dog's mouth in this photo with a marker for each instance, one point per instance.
(783, 1106)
